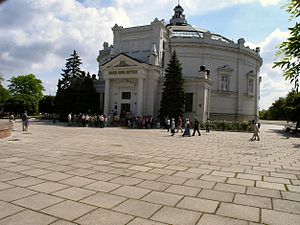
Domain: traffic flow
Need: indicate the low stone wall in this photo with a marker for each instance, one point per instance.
(5, 129)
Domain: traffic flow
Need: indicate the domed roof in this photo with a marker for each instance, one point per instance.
(187, 31)
(180, 28)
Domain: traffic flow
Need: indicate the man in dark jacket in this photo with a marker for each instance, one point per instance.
(196, 126)
(24, 120)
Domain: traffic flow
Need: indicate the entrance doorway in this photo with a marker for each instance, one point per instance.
(125, 107)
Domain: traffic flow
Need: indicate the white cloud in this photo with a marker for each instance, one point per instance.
(269, 2)
(273, 84)
(36, 35)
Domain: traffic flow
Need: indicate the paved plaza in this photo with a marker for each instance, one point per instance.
(62, 175)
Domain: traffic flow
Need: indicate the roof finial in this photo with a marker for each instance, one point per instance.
(179, 17)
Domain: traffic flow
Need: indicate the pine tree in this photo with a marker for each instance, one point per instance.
(71, 72)
(172, 103)
(86, 99)
(76, 92)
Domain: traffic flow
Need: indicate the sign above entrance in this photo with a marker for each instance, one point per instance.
(122, 72)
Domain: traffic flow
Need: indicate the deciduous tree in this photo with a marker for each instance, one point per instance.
(26, 85)
(290, 50)
(4, 94)
(26, 92)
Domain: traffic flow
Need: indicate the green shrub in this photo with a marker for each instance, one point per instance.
(230, 125)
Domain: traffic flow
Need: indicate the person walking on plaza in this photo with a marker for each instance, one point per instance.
(187, 131)
(27, 124)
(179, 126)
(173, 126)
(256, 131)
(207, 125)
(24, 118)
(196, 127)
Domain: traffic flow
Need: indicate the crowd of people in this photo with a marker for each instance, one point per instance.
(125, 120)
(170, 125)
(130, 121)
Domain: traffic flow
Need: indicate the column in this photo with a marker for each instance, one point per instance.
(106, 96)
(140, 96)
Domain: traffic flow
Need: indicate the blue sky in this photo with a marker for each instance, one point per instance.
(36, 36)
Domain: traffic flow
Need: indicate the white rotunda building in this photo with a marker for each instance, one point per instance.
(221, 77)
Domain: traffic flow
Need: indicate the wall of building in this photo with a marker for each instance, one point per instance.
(220, 56)
(193, 54)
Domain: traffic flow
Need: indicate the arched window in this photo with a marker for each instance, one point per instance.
(224, 77)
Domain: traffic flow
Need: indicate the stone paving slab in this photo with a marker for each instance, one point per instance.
(59, 175)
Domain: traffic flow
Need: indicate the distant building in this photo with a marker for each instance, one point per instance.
(131, 71)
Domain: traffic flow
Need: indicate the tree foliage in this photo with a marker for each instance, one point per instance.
(287, 108)
(4, 94)
(26, 85)
(290, 50)
(26, 92)
(277, 110)
(46, 104)
(1, 79)
(20, 103)
(172, 102)
(76, 92)
(292, 109)
(71, 72)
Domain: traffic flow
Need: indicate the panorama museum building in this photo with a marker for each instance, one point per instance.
(221, 77)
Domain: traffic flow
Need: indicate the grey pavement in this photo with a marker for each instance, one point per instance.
(62, 175)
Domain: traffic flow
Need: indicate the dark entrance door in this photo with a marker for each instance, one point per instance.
(125, 107)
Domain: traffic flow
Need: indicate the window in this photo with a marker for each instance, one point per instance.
(224, 83)
(251, 86)
(224, 77)
(188, 102)
(126, 95)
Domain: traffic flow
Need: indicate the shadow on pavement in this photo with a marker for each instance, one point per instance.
(297, 146)
(284, 133)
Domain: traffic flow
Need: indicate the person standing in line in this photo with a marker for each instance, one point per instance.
(173, 125)
(187, 131)
(256, 131)
(70, 119)
(196, 127)
(168, 124)
(179, 127)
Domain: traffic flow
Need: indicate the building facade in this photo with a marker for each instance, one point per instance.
(221, 77)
